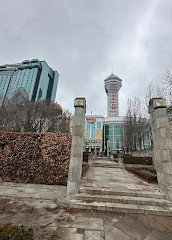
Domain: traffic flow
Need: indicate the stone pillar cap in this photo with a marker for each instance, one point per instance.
(80, 102)
(155, 103)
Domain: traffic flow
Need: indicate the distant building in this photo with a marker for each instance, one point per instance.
(113, 131)
(93, 133)
(36, 77)
(99, 130)
(112, 86)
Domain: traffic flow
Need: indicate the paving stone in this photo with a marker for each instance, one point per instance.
(115, 220)
(112, 233)
(132, 186)
(47, 219)
(88, 223)
(102, 185)
(24, 219)
(133, 228)
(94, 235)
(69, 234)
(63, 221)
(157, 235)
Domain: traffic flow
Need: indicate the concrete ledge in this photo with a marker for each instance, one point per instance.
(32, 190)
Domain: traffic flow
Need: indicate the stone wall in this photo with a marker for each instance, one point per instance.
(34, 158)
(162, 145)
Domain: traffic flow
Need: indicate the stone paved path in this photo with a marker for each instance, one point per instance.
(52, 222)
(116, 179)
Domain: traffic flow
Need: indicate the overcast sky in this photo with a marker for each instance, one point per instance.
(84, 39)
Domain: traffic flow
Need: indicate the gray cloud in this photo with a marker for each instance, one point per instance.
(83, 39)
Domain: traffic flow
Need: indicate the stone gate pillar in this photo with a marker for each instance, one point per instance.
(162, 142)
(76, 156)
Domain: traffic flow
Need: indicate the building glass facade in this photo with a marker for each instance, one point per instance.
(36, 77)
(93, 130)
(113, 133)
(88, 127)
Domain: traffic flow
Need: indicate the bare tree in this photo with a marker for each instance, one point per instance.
(168, 86)
(154, 91)
(136, 127)
(19, 114)
(128, 129)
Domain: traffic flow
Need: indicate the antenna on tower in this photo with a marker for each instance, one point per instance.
(112, 69)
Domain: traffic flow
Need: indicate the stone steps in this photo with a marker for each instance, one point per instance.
(103, 191)
(105, 165)
(124, 200)
(118, 207)
(144, 200)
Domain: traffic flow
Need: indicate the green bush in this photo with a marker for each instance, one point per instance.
(137, 160)
(16, 233)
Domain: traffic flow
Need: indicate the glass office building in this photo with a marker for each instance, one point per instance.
(36, 77)
(113, 132)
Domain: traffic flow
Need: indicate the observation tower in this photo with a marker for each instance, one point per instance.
(112, 86)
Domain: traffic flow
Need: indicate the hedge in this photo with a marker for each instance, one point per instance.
(150, 175)
(39, 158)
(85, 156)
(127, 154)
(137, 160)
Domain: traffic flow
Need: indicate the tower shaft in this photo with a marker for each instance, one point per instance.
(112, 86)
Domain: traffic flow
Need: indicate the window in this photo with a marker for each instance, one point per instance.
(88, 130)
(99, 125)
(93, 130)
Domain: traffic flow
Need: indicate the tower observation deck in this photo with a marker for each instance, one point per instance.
(112, 86)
